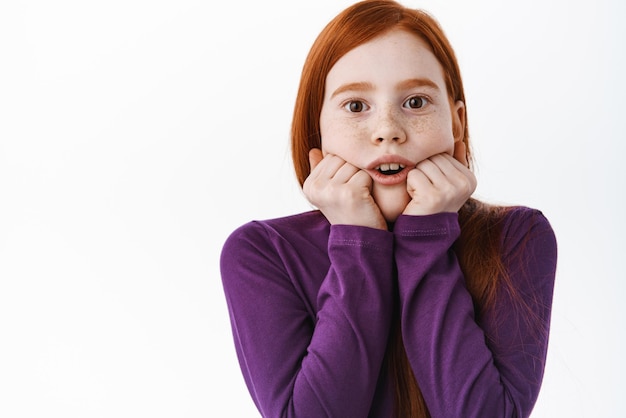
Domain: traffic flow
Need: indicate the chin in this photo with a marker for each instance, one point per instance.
(391, 200)
(391, 214)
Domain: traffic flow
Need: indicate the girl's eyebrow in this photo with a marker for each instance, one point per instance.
(358, 86)
(417, 82)
(363, 86)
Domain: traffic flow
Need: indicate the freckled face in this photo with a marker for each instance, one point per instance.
(385, 109)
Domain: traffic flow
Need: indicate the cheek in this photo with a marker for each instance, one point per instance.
(338, 137)
(434, 133)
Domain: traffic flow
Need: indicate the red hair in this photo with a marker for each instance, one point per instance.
(480, 223)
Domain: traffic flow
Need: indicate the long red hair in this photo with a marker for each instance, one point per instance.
(480, 223)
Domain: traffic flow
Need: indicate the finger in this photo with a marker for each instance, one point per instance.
(450, 165)
(315, 156)
(344, 173)
(455, 172)
(431, 168)
(328, 167)
(443, 171)
(362, 179)
(417, 180)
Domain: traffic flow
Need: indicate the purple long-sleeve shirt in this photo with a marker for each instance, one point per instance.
(311, 307)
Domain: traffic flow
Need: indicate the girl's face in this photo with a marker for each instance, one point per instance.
(385, 109)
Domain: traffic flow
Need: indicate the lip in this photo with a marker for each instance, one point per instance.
(392, 179)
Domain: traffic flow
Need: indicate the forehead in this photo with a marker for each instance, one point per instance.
(396, 55)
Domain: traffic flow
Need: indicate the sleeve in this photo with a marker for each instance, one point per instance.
(463, 368)
(295, 365)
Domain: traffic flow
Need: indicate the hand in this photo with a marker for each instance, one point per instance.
(441, 183)
(342, 192)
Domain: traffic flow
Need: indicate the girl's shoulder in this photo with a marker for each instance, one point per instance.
(511, 231)
(300, 230)
(512, 223)
(521, 224)
(528, 245)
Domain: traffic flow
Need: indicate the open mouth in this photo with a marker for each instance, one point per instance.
(390, 169)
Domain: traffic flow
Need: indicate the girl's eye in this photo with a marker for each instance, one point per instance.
(416, 102)
(355, 106)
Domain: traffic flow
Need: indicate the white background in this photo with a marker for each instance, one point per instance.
(136, 135)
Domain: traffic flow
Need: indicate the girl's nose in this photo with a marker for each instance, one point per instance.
(389, 127)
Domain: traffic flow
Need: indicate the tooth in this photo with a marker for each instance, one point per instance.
(394, 166)
(401, 165)
(384, 167)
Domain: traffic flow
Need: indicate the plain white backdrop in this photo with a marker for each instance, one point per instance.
(136, 135)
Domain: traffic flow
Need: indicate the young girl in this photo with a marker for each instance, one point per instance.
(401, 296)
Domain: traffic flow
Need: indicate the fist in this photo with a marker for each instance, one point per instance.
(341, 191)
(441, 183)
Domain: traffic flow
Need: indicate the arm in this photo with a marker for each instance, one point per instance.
(491, 369)
(294, 364)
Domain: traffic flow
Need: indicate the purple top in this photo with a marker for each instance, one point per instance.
(311, 306)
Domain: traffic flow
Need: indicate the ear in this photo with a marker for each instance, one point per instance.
(458, 120)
